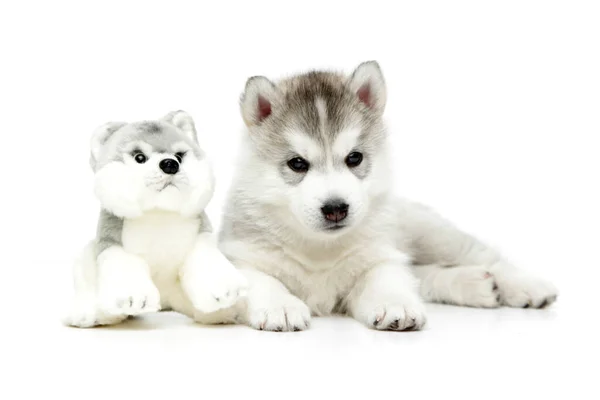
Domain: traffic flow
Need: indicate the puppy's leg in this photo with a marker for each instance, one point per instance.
(459, 269)
(386, 298)
(84, 312)
(270, 306)
(124, 284)
(208, 279)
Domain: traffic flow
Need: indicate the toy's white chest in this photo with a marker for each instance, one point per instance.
(162, 239)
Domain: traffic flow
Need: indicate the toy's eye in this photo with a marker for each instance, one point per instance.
(140, 158)
(179, 156)
(354, 159)
(298, 164)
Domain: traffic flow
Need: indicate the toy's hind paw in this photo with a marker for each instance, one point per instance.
(84, 314)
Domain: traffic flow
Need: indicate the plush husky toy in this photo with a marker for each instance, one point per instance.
(154, 248)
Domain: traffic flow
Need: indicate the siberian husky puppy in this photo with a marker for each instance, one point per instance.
(312, 222)
(154, 248)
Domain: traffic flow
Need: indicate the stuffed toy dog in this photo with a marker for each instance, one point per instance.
(154, 249)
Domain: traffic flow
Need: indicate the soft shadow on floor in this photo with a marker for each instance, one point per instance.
(134, 324)
(164, 321)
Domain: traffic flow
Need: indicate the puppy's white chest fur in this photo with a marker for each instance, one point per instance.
(162, 239)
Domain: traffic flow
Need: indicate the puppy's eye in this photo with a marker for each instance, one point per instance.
(298, 164)
(354, 159)
(140, 158)
(179, 156)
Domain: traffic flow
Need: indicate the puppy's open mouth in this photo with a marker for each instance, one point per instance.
(336, 227)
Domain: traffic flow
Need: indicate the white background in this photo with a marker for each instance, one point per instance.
(494, 109)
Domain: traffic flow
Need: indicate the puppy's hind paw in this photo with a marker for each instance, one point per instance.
(472, 286)
(524, 291)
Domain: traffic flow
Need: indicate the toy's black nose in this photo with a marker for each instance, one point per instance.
(169, 166)
(335, 210)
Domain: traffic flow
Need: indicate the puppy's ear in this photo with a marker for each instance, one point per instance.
(99, 139)
(258, 100)
(368, 84)
(184, 121)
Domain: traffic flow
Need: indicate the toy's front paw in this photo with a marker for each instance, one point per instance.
(129, 297)
(217, 289)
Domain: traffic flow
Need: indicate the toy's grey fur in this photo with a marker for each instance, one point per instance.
(110, 228)
(161, 135)
(153, 247)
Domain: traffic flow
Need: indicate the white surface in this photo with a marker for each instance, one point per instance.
(494, 108)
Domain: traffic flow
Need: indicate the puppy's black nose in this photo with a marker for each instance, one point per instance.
(169, 166)
(335, 210)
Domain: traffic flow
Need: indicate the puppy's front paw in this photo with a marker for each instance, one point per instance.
(518, 289)
(400, 314)
(129, 297)
(218, 290)
(279, 314)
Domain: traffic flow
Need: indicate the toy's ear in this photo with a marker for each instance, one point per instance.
(258, 100)
(99, 139)
(368, 84)
(184, 121)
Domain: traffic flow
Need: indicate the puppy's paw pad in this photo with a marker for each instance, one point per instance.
(289, 315)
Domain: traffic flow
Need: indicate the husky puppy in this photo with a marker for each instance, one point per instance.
(312, 222)
(154, 248)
